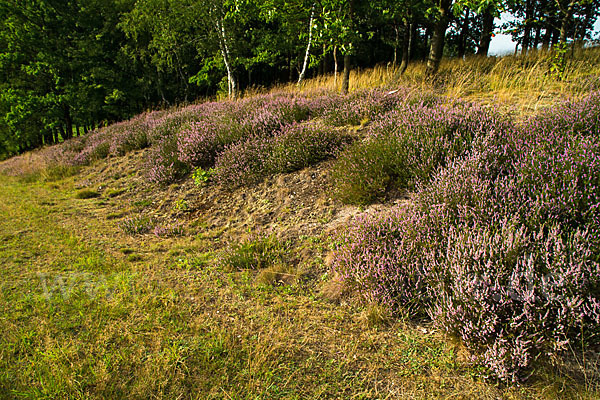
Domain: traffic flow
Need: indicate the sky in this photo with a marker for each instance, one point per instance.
(503, 44)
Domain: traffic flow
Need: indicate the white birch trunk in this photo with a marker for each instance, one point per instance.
(310, 28)
(335, 66)
(231, 86)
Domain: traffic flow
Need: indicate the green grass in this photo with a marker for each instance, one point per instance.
(87, 194)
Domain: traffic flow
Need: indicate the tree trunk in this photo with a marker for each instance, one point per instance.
(307, 53)
(566, 13)
(462, 39)
(47, 137)
(547, 12)
(396, 42)
(427, 41)
(529, 16)
(486, 32)
(438, 39)
(406, 46)
(347, 55)
(231, 84)
(346, 74)
(555, 37)
(589, 15)
(61, 131)
(537, 37)
(68, 122)
(335, 66)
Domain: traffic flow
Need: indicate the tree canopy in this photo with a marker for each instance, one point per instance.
(69, 66)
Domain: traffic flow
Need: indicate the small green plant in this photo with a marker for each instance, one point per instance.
(181, 205)
(558, 63)
(142, 203)
(201, 175)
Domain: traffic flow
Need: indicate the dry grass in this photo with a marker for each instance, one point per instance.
(519, 83)
(171, 323)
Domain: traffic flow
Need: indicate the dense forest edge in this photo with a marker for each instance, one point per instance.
(69, 68)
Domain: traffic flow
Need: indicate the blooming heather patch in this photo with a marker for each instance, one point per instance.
(130, 135)
(512, 295)
(243, 162)
(198, 144)
(163, 164)
(296, 146)
(300, 145)
(365, 105)
(97, 146)
(406, 146)
(501, 248)
(381, 256)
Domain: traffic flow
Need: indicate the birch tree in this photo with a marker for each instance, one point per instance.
(310, 31)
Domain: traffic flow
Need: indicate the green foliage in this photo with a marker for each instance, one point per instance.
(364, 171)
(558, 63)
(181, 205)
(201, 176)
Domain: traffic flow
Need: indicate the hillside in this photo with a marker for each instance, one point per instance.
(409, 240)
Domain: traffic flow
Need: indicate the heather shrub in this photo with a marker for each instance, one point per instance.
(405, 147)
(74, 145)
(96, 147)
(296, 146)
(501, 247)
(168, 230)
(512, 295)
(198, 144)
(579, 117)
(381, 256)
(367, 169)
(365, 105)
(243, 162)
(137, 225)
(163, 164)
(359, 106)
(129, 136)
(300, 145)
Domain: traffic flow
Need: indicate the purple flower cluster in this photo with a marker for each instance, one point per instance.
(294, 147)
(96, 146)
(501, 247)
(137, 225)
(169, 230)
(404, 147)
(163, 163)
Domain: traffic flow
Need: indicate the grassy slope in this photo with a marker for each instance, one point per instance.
(87, 311)
(169, 325)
